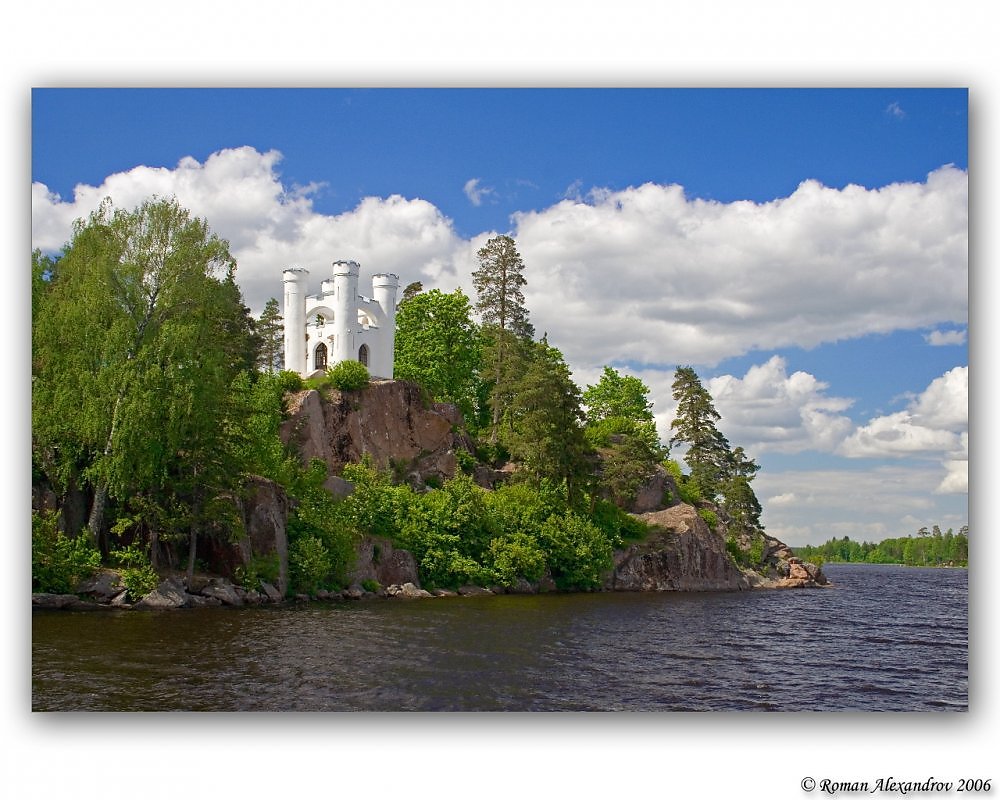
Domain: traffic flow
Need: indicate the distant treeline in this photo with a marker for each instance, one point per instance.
(927, 548)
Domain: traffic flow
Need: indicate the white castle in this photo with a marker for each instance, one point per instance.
(338, 324)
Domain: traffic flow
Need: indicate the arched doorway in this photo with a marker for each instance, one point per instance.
(363, 354)
(319, 356)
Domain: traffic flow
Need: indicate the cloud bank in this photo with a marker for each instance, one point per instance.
(644, 275)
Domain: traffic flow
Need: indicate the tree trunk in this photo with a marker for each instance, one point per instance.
(96, 520)
(192, 550)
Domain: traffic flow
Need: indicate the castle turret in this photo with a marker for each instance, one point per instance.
(345, 308)
(295, 318)
(384, 286)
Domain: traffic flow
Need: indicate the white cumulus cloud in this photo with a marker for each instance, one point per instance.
(648, 275)
(932, 425)
(769, 410)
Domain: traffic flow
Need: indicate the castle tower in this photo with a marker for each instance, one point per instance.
(345, 309)
(295, 318)
(384, 287)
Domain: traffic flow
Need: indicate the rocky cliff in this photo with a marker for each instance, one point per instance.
(390, 421)
(682, 553)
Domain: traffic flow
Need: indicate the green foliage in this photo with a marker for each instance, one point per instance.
(466, 461)
(437, 346)
(322, 532)
(135, 341)
(348, 375)
(371, 585)
(309, 564)
(618, 396)
(271, 333)
(617, 526)
(694, 425)
(447, 530)
(926, 549)
(289, 380)
(499, 283)
(58, 562)
(543, 424)
(710, 517)
(261, 569)
(137, 573)
(577, 551)
(516, 555)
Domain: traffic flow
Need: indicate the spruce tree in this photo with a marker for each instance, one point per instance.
(271, 331)
(544, 429)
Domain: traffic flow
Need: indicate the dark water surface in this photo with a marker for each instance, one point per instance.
(886, 638)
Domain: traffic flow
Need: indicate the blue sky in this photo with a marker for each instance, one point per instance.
(805, 249)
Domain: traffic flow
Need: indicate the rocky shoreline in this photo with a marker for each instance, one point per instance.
(394, 427)
(686, 557)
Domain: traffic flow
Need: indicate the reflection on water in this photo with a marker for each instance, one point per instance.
(887, 638)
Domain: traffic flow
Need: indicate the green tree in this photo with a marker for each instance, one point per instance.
(545, 431)
(620, 425)
(738, 498)
(617, 395)
(499, 283)
(135, 344)
(411, 291)
(271, 331)
(437, 346)
(708, 453)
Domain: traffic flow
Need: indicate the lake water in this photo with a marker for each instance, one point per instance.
(886, 638)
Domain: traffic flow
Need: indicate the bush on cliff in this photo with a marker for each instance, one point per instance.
(348, 376)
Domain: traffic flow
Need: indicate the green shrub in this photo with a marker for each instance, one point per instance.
(466, 461)
(58, 562)
(261, 569)
(309, 564)
(289, 381)
(348, 375)
(710, 517)
(137, 573)
(577, 551)
(617, 525)
(516, 556)
(371, 585)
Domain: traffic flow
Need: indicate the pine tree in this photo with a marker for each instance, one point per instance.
(499, 283)
(708, 453)
(271, 332)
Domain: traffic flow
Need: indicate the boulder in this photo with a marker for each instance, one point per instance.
(102, 585)
(409, 590)
(169, 594)
(378, 560)
(263, 507)
(271, 592)
(48, 600)
(223, 591)
(655, 494)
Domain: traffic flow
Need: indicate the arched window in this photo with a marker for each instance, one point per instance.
(320, 356)
(363, 354)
